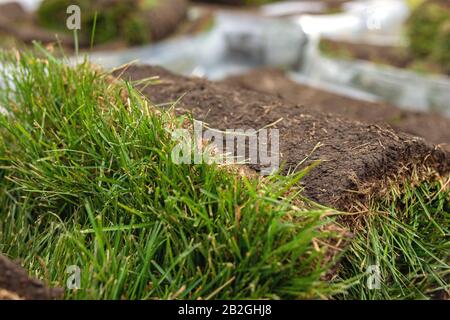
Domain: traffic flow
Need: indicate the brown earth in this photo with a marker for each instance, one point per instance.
(358, 159)
(396, 56)
(224, 2)
(19, 26)
(399, 57)
(332, 4)
(15, 284)
(431, 126)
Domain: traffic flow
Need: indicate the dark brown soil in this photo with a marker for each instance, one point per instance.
(395, 56)
(15, 284)
(357, 158)
(335, 5)
(433, 127)
(398, 57)
(16, 23)
(224, 2)
(332, 4)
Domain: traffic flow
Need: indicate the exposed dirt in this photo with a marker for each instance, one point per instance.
(15, 284)
(246, 6)
(21, 26)
(332, 4)
(433, 127)
(224, 2)
(396, 56)
(399, 57)
(358, 159)
(335, 6)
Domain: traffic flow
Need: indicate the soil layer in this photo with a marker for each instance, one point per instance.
(15, 284)
(399, 57)
(331, 4)
(358, 159)
(433, 127)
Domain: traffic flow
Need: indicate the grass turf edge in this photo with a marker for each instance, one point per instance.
(87, 180)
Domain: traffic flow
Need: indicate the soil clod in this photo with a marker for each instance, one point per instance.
(15, 284)
(431, 126)
(359, 160)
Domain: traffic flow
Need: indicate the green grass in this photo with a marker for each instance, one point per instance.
(407, 237)
(86, 179)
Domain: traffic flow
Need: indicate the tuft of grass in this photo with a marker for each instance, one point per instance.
(406, 238)
(86, 179)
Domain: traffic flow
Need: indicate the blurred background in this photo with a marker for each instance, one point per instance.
(390, 51)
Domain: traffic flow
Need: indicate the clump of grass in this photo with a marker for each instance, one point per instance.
(86, 179)
(406, 238)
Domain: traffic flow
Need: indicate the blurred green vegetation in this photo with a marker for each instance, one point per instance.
(414, 3)
(429, 32)
(112, 19)
(442, 47)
